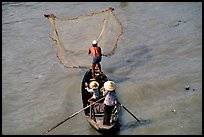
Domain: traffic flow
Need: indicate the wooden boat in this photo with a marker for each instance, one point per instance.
(94, 114)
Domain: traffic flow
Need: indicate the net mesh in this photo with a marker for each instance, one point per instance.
(73, 36)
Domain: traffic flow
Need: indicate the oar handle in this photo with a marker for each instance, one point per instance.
(73, 115)
(129, 111)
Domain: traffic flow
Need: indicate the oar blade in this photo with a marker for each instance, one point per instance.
(129, 112)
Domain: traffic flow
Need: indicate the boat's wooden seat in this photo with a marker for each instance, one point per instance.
(99, 114)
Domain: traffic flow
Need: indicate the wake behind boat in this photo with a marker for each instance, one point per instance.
(95, 113)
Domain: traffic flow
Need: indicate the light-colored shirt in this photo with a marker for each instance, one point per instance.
(94, 91)
(110, 98)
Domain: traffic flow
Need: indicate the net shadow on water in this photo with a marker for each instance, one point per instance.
(138, 55)
(118, 79)
(129, 60)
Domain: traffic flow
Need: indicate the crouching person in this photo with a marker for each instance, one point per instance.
(94, 90)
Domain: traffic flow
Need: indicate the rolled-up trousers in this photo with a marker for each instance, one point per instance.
(107, 114)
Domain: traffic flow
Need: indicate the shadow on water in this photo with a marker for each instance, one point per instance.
(134, 124)
(121, 126)
(127, 61)
(138, 56)
(131, 58)
(118, 79)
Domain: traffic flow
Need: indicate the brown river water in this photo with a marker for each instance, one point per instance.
(159, 53)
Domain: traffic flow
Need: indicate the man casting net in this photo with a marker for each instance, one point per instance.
(73, 36)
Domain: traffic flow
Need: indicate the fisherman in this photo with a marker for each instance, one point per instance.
(96, 52)
(110, 100)
(93, 89)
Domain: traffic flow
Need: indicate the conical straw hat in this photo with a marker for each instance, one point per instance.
(109, 85)
(94, 85)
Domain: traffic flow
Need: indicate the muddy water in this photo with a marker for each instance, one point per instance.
(158, 55)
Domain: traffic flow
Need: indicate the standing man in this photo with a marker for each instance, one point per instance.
(110, 100)
(95, 50)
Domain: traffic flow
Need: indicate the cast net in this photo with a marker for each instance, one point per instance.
(73, 36)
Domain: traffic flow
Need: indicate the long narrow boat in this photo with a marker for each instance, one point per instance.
(94, 114)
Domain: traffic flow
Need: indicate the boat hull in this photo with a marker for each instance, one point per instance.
(95, 113)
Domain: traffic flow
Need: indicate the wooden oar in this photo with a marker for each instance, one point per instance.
(129, 112)
(72, 116)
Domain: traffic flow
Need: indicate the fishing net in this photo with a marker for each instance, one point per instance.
(73, 36)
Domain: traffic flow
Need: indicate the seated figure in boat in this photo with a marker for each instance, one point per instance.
(110, 100)
(93, 89)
